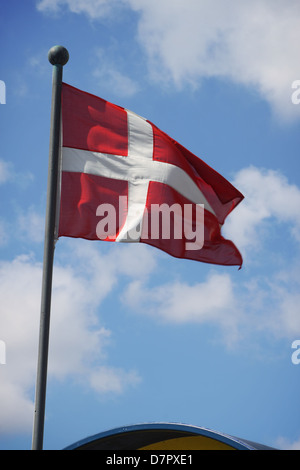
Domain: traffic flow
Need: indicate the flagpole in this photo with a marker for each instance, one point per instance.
(58, 56)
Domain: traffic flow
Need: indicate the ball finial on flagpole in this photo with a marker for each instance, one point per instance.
(58, 55)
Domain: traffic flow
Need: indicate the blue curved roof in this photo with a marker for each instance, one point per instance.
(139, 436)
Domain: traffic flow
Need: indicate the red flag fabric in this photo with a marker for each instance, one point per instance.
(124, 180)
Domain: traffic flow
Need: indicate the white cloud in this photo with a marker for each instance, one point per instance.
(252, 43)
(16, 408)
(271, 302)
(284, 301)
(238, 309)
(31, 224)
(107, 379)
(5, 171)
(268, 197)
(78, 338)
(92, 8)
(111, 76)
(209, 302)
(180, 302)
(8, 174)
(285, 444)
(19, 291)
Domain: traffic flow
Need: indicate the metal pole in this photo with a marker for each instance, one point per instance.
(58, 56)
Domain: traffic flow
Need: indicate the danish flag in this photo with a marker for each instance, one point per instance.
(113, 158)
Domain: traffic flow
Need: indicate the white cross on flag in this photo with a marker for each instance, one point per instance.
(124, 180)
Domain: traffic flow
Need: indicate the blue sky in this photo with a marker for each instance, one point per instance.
(136, 335)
